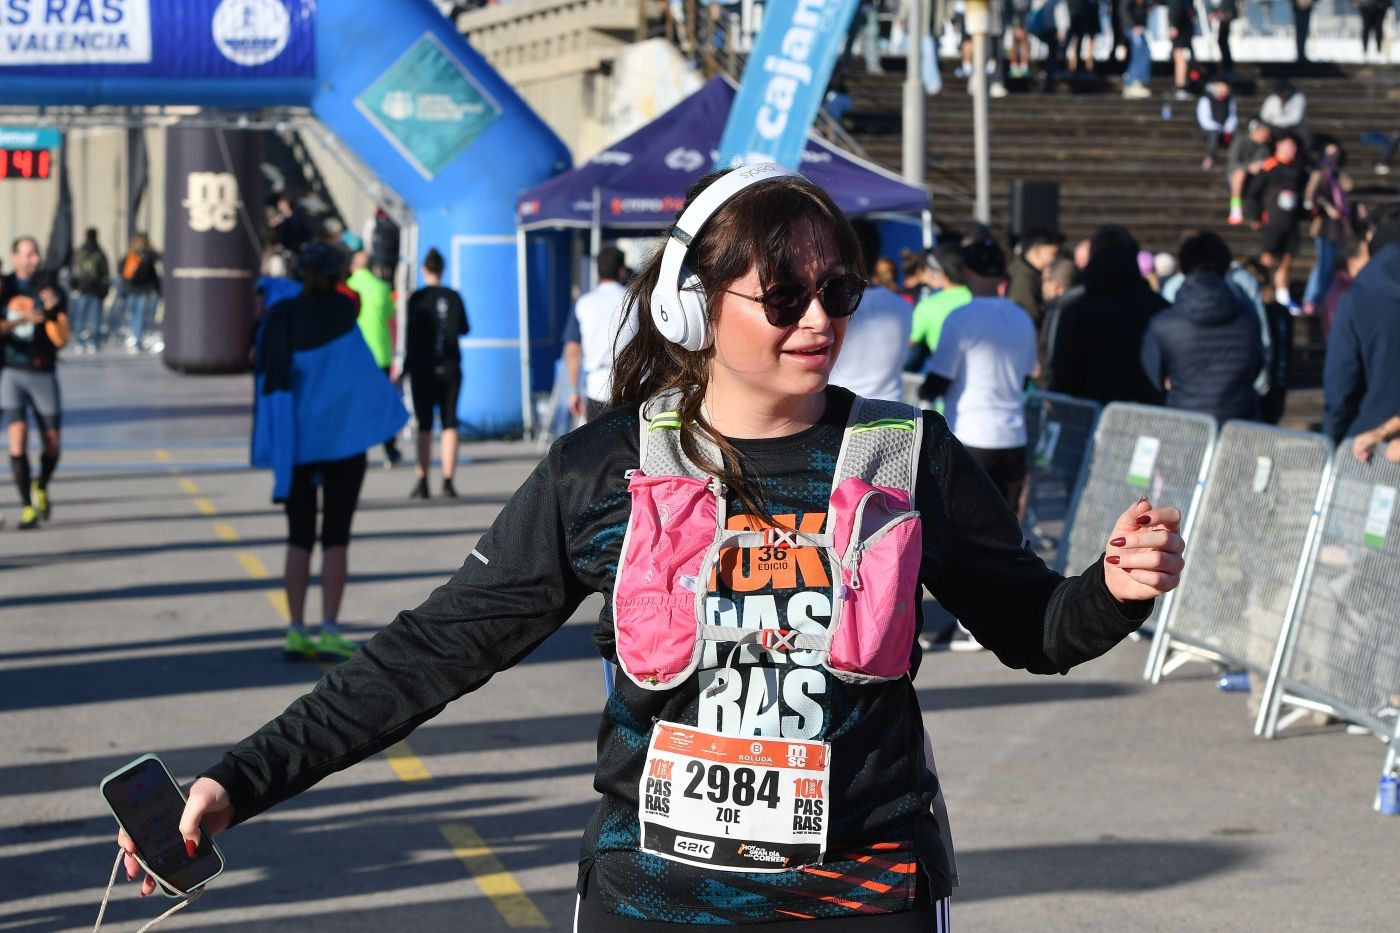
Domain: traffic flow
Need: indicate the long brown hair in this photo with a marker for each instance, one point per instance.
(751, 230)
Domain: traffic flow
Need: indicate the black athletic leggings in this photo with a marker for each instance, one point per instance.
(1372, 24)
(340, 482)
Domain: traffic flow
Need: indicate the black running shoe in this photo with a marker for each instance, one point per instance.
(448, 490)
(420, 489)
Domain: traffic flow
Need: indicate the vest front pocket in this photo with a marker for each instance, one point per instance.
(671, 528)
(878, 542)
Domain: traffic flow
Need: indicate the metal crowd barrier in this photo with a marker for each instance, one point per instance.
(1340, 652)
(1248, 550)
(1138, 450)
(1059, 436)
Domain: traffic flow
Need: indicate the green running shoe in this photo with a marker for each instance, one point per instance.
(28, 518)
(334, 647)
(298, 646)
(41, 501)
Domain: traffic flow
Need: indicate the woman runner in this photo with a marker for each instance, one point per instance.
(762, 756)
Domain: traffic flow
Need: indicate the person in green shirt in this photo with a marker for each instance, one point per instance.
(376, 322)
(946, 272)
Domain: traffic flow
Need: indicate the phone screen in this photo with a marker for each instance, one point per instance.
(148, 804)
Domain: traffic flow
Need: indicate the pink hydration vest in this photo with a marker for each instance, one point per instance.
(676, 531)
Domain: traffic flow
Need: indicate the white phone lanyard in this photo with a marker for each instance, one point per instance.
(116, 867)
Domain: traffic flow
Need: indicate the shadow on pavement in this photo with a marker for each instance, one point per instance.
(207, 671)
(148, 591)
(1043, 690)
(1109, 865)
(428, 741)
(214, 544)
(379, 849)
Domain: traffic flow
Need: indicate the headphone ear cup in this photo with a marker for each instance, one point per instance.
(693, 305)
(667, 313)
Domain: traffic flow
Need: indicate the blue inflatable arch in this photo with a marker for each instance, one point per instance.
(393, 82)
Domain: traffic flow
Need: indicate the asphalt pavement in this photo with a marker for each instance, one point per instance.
(146, 616)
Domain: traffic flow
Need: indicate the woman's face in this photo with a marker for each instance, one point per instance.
(753, 358)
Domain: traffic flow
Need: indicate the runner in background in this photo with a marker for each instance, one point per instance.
(34, 328)
(437, 319)
(377, 325)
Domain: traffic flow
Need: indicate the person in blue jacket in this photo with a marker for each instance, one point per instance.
(321, 402)
(1206, 350)
(1361, 374)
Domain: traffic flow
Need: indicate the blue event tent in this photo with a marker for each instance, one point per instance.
(639, 182)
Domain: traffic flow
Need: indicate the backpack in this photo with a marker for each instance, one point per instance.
(89, 274)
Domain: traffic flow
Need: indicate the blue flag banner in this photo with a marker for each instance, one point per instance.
(785, 80)
(158, 38)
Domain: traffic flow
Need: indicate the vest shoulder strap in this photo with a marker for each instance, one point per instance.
(881, 445)
(660, 442)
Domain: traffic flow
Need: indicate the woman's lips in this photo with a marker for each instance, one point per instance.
(811, 357)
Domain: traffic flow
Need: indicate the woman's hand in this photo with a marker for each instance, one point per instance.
(1144, 555)
(207, 803)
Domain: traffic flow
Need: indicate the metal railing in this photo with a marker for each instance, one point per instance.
(1059, 439)
(1264, 487)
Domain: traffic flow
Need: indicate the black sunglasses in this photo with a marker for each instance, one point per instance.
(784, 305)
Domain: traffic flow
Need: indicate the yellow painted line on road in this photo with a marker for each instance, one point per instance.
(278, 599)
(408, 766)
(495, 881)
(253, 564)
(492, 877)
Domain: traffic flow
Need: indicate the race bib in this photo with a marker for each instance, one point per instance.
(734, 803)
(1287, 201)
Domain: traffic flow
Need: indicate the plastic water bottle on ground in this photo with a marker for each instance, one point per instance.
(1234, 682)
(1388, 798)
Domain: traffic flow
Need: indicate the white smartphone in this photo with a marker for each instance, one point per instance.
(148, 803)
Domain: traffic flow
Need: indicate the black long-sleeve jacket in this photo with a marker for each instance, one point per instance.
(559, 539)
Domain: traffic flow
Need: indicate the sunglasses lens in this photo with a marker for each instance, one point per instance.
(841, 295)
(785, 305)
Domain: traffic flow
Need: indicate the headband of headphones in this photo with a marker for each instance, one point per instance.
(677, 306)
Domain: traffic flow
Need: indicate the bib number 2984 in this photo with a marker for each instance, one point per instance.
(734, 804)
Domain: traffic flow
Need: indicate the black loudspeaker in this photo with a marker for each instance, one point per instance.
(1034, 204)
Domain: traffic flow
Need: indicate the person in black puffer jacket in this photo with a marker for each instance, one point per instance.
(1099, 338)
(1206, 349)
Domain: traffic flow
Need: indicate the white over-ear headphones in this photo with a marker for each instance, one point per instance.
(678, 301)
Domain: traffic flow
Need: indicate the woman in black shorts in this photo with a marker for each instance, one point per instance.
(433, 364)
(321, 402)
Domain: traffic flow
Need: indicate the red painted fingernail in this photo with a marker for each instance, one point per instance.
(1112, 558)
(1118, 542)
(190, 846)
(1144, 519)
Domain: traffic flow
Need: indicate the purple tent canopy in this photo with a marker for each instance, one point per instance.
(640, 182)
